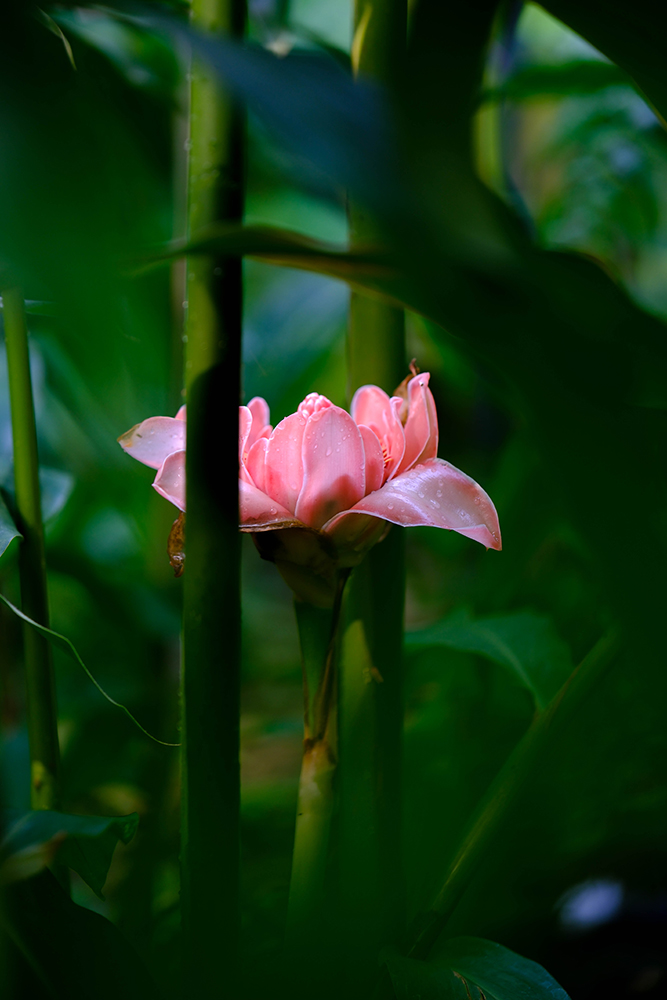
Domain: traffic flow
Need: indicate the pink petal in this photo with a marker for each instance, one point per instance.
(333, 466)
(433, 493)
(284, 464)
(421, 428)
(257, 511)
(181, 413)
(245, 423)
(374, 459)
(260, 414)
(372, 407)
(170, 480)
(154, 439)
(255, 466)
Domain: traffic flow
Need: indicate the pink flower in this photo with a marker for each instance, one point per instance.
(159, 443)
(347, 475)
(343, 477)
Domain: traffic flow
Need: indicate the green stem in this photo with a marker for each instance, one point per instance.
(371, 882)
(211, 622)
(318, 635)
(42, 714)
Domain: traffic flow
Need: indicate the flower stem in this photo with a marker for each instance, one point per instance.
(42, 715)
(318, 635)
(371, 674)
(211, 622)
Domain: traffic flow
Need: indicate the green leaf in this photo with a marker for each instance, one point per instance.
(470, 968)
(497, 971)
(35, 307)
(630, 35)
(74, 952)
(62, 642)
(8, 531)
(88, 842)
(580, 76)
(320, 115)
(371, 270)
(414, 980)
(526, 643)
(56, 488)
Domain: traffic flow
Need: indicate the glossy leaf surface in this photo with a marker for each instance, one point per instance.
(525, 643)
(86, 843)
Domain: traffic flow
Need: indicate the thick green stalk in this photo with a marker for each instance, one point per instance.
(318, 635)
(211, 622)
(371, 672)
(41, 709)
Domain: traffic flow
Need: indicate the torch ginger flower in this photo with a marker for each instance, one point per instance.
(331, 481)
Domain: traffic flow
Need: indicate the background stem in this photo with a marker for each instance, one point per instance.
(211, 623)
(41, 709)
(371, 672)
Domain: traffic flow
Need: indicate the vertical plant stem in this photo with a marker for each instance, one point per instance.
(211, 622)
(42, 714)
(318, 634)
(370, 701)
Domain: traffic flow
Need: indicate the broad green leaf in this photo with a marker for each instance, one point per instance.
(74, 952)
(630, 34)
(35, 307)
(581, 76)
(497, 971)
(63, 643)
(469, 968)
(84, 843)
(8, 531)
(56, 487)
(314, 108)
(371, 270)
(526, 643)
(415, 980)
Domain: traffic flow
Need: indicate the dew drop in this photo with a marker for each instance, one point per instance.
(421, 496)
(328, 451)
(438, 493)
(390, 506)
(478, 499)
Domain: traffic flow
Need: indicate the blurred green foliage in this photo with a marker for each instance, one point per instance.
(549, 378)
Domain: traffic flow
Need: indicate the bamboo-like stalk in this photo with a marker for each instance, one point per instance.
(370, 701)
(318, 639)
(41, 708)
(211, 619)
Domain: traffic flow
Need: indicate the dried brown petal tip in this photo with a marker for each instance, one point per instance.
(176, 545)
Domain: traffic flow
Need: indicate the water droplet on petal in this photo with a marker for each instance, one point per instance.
(390, 506)
(328, 451)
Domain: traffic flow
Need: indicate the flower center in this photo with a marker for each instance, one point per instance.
(313, 403)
